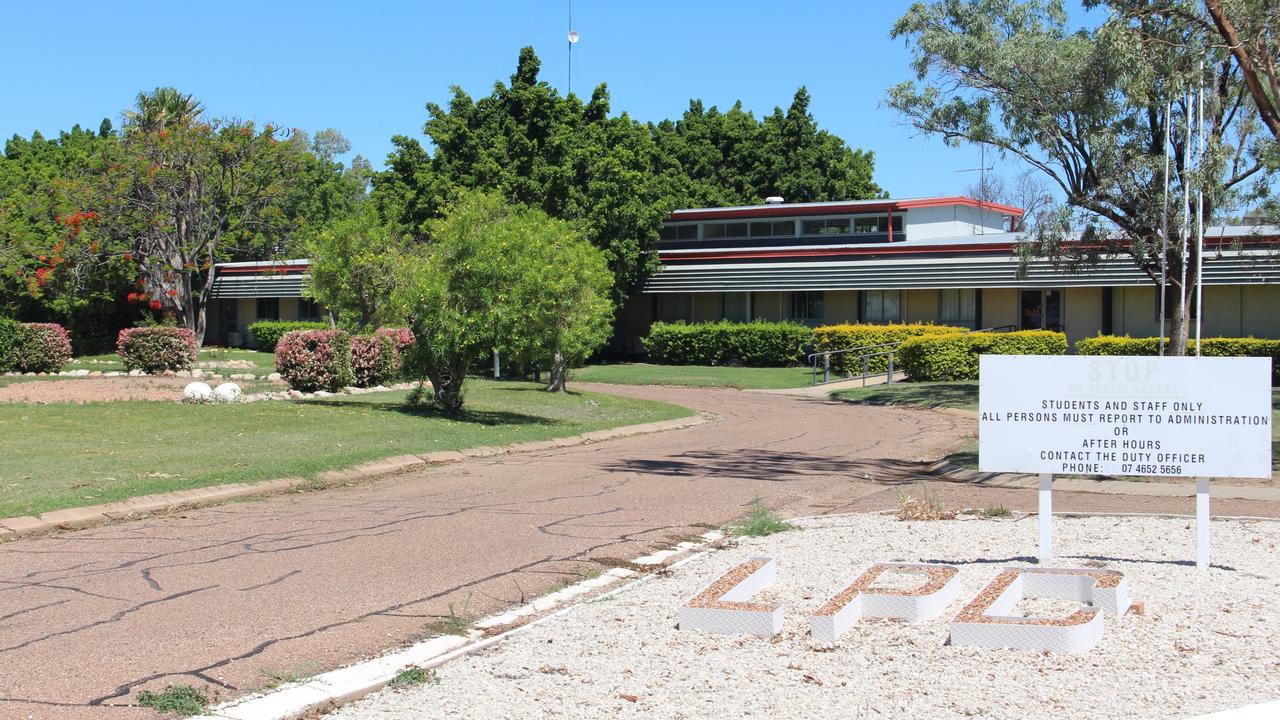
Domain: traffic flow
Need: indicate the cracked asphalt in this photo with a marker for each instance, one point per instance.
(243, 596)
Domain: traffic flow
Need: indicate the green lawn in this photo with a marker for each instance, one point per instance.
(745, 378)
(962, 395)
(56, 456)
(264, 363)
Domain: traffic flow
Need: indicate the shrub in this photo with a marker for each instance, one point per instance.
(955, 357)
(1209, 347)
(156, 349)
(373, 359)
(267, 333)
(10, 332)
(401, 340)
(845, 337)
(315, 359)
(42, 347)
(754, 344)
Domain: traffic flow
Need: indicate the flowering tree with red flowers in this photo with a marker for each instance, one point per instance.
(184, 193)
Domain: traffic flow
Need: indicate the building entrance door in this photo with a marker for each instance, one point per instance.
(1041, 309)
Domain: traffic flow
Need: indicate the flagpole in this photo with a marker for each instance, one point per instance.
(1186, 217)
(1164, 224)
(1200, 223)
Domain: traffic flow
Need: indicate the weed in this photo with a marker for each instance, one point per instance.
(923, 505)
(181, 699)
(284, 677)
(415, 676)
(759, 522)
(997, 511)
(457, 623)
(591, 573)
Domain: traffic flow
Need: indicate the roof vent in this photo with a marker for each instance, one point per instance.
(773, 200)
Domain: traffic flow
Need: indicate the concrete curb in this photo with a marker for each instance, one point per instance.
(329, 690)
(78, 518)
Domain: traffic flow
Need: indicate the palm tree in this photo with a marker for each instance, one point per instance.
(163, 107)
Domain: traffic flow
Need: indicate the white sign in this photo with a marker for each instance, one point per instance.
(1120, 415)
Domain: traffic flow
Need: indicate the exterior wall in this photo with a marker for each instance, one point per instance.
(840, 306)
(999, 307)
(1082, 313)
(1134, 312)
(769, 305)
(1222, 312)
(950, 220)
(633, 323)
(706, 307)
(1261, 310)
(920, 306)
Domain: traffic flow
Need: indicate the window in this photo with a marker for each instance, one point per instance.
(268, 309)
(881, 306)
(673, 307)
(719, 231)
(736, 306)
(876, 224)
(680, 232)
(1041, 309)
(831, 226)
(308, 309)
(783, 228)
(806, 305)
(957, 307)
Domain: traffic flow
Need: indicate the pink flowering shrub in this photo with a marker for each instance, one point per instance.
(42, 347)
(401, 338)
(373, 359)
(315, 359)
(156, 349)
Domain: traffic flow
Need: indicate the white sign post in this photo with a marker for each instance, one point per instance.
(1120, 415)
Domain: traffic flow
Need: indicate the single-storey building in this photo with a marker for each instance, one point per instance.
(944, 259)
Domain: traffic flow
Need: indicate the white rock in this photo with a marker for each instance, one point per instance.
(136, 373)
(197, 392)
(274, 377)
(227, 392)
(322, 394)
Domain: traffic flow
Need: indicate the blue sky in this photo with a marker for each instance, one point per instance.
(368, 68)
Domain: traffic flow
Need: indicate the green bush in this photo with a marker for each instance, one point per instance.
(267, 333)
(311, 360)
(43, 347)
(955, 357)
(753, 344)
(1209, 347)
(157, 348)
(845, 337)
(10, 335)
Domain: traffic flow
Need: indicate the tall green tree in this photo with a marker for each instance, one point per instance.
(498, 276)
(1086, 107)
(353, 268)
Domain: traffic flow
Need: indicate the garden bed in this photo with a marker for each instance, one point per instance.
(1211, 634)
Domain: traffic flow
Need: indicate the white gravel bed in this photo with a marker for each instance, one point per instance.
(1208, 641)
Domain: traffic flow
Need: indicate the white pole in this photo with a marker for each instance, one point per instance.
(497, 365)
(1046, 518)
(1200, 225)
(1164, 224)
(1202, 523)
(1186, 217)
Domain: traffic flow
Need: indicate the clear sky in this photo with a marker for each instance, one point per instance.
(368, 68)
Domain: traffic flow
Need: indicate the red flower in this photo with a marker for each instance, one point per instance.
(128, 256)
(173, 293)
(155, 305)
(133, 297)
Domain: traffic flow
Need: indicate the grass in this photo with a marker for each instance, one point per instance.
(458, 622)
(743, 378)
(759, 522)
(263, 363)
(276, 678)
(181, 699)
(961, 395)
(411, 676)
(57, 456)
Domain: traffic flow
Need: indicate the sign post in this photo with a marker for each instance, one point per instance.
(1192, 417)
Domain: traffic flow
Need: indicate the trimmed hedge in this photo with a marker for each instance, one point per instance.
(1209, 347)
(373, 359)
(42, 347)
(156, 349)
(753, 344)
(849, 336)
(312, 360)
(955, 357)
(10, 337)
(267, 333)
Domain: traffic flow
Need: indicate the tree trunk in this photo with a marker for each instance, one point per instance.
(559, 373)
(447, 376)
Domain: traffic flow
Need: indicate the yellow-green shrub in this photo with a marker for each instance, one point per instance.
(955, 357)
(753, 344)
(1209, 347)
(844, 337)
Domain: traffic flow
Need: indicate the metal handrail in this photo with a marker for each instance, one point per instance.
(866, 357)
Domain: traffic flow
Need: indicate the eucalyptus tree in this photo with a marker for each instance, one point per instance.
(1086, 107)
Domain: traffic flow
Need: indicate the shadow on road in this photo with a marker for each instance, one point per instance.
(773, 466)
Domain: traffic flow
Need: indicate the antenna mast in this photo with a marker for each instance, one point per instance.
(573, 40)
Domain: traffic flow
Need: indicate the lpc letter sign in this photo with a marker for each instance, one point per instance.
(1120, 415)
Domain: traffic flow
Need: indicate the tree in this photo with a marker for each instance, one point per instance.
(329, 144)
(498, 276)
(1086, 109)
(353, 265)
(161, 108)
(184, 194)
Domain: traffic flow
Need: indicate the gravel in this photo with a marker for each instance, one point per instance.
(1207, 641)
